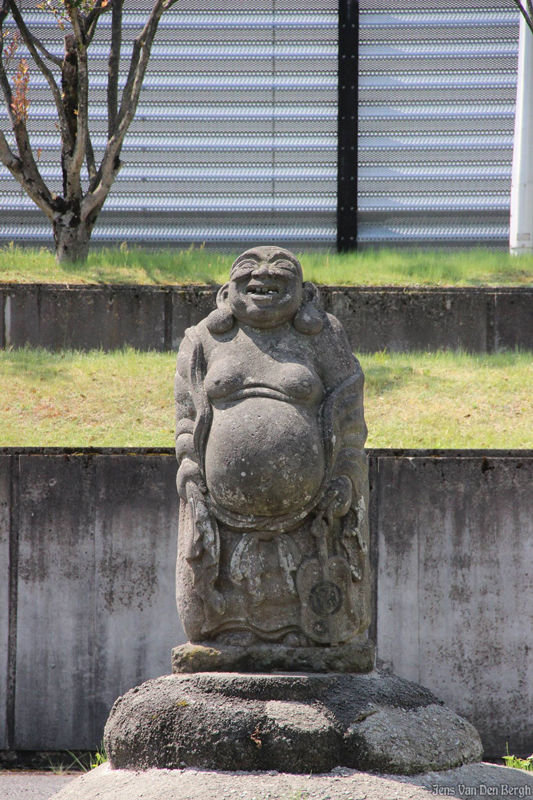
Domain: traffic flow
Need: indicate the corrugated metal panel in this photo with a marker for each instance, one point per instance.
(235, 136)
(437, 94)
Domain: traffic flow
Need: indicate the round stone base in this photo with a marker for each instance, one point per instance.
(294, 723)
(357, 656)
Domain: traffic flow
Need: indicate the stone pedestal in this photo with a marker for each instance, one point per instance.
(357, 656)
(294, 723)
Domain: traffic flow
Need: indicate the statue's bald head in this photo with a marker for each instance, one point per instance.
(269, 254)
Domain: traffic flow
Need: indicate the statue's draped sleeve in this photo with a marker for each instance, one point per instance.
(345, 432)
(344, 427)
(185, 408)
(199, 528)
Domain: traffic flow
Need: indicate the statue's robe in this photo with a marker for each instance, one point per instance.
(287, 573)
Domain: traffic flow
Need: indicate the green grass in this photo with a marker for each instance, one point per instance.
(82, 762)
(197, 265)
(518, 763)
(449, 400)
(124, 399)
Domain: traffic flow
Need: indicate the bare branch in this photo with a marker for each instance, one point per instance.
(139, 61)
(4, 81)
(46, 53)
(100, 7)
(23, 168)
(75, 163)
(89, 157)
(91, 21)
(110, 165)
(8, 157)
(21, 25)
(36, 189)
(113, 67)
(524, 11)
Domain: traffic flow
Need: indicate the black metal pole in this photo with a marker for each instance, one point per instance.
(348, 101)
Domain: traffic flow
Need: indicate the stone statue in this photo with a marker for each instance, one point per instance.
(273, 478)
(273, 568)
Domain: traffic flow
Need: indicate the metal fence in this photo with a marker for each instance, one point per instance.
(235, 139)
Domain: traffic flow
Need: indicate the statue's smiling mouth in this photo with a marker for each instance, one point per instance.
(262, 290)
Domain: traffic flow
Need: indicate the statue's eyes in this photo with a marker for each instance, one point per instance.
(243, 270)
(284, 266)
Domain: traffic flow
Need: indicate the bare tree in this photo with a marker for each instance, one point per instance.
(526, 8)
(74, 212)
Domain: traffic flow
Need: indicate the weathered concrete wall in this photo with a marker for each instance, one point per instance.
(154, 318)
(455, 586)
(94, 534)
(400, 321)
(5, 525)
(513, 320)
(96, 611)
(86, 317)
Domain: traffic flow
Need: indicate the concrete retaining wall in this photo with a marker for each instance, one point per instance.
(454, 538)
(87, 549)
(92, 590)
(154, 318)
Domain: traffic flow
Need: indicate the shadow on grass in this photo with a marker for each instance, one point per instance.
(36, 363)
(382, 378)
(194, 265)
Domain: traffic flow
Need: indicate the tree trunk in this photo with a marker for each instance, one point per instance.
(72, 237)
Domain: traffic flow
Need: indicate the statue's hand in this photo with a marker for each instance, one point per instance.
(337, 499)
(189, 471)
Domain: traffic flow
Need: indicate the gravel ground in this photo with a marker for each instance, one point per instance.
(473, 780)
(32, 785)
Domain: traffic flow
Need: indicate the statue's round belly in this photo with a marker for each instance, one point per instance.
(264, 457)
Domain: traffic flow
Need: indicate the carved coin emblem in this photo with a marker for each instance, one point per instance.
(325, 598)
(320, 627)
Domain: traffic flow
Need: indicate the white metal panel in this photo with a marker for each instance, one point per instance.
(437, 102)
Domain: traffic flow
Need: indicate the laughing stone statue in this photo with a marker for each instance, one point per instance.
(273, 584)
(273, 478)
(273, 581)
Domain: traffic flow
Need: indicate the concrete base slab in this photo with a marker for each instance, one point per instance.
(473, 780)
(25, 785)
(293, 722)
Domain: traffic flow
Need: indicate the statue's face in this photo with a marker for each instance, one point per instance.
(265, 288)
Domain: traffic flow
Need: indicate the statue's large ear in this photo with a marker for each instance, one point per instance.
(221, 320)
(222, 296)
(307, 319)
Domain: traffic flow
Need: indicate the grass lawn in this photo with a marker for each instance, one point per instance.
(370, 267)
(124, 399)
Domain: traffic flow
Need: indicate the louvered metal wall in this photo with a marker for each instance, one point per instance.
(437, 93)
(235, 138)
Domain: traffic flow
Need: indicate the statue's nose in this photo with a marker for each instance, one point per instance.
(261, 271)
